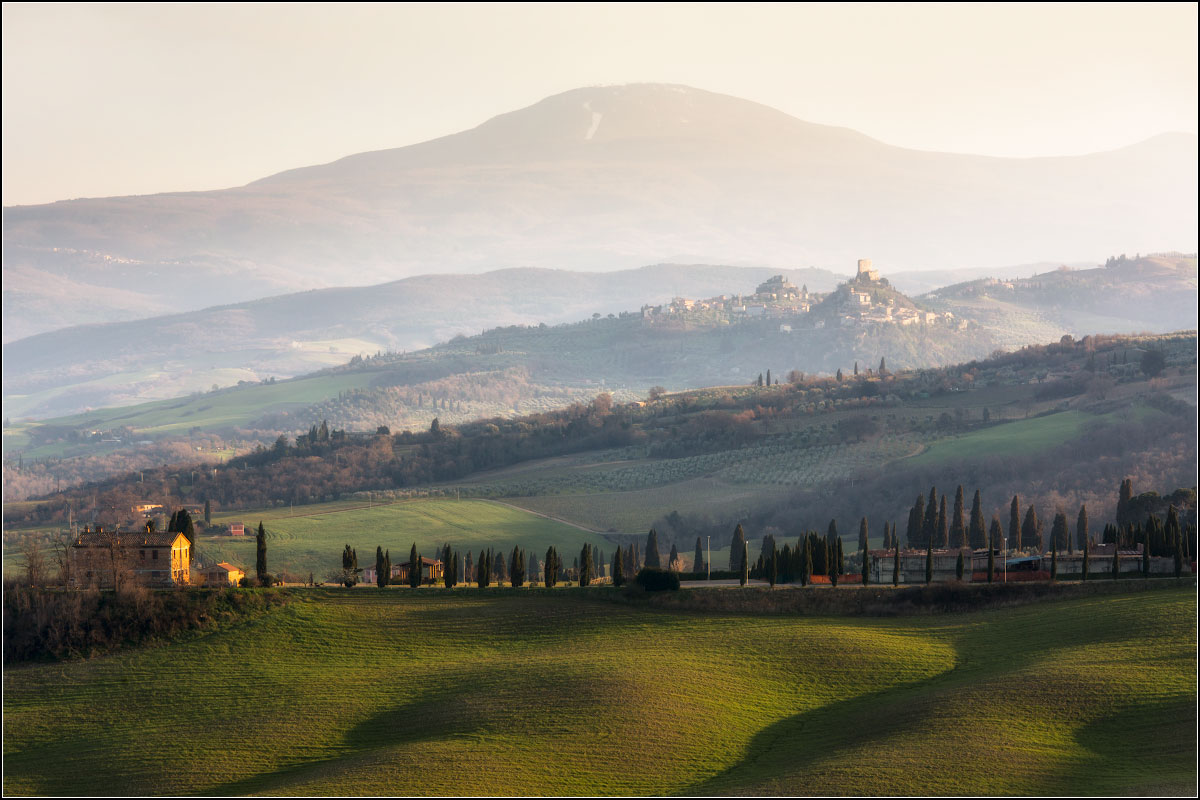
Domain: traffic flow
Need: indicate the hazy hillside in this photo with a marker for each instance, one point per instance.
(1155, 293)
(96, 366)
(598, 178)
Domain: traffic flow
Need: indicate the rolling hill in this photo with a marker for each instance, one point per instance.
(595, 178)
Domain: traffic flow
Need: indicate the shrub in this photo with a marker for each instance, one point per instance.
(657, 580)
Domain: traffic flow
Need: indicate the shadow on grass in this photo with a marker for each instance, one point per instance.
(1003, 645)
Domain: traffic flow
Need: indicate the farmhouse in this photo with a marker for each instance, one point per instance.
(222, 574)
(149, 558)
(431, 570)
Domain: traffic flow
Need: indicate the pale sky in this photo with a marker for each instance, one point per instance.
(103, 100)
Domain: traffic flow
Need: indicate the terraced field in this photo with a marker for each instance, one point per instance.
(561, 692)
(310, 538)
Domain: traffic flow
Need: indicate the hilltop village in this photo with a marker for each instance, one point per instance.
(867, 299)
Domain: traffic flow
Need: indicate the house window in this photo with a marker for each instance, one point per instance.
(154, 555)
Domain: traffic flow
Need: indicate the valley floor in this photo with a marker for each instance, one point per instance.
(549, 693)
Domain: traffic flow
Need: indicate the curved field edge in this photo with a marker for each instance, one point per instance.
(448, 693)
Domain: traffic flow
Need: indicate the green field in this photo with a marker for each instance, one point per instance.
(310, 538)
(501, 693)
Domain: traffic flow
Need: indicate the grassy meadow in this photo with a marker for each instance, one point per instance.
(310, 538)
(533, 692)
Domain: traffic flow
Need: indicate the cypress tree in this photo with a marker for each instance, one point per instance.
(447, 568)
(551, 567)
(1178, 557)
(960, 566)
(458, 566)
(735, 549)
(958, 525)
(895, 561)
(806, 562)
(745, 561)
(618, 568)
(1029, 530)
(978, 531)
(929, 530)
(414, 567)
(260, 560)
(1146, 554)
(1054, 562)
(673, 561)
(773, 564)
(943, 533)
(836, 569)
(1058, 531)
(1014, 524)
(1125, 495)
(698, 561)
(1116, 562)
(380, 576)
(1087, 546)
(916, 523)
(929, 563)
(585, 563)
(991, 563)
(653, 559)
(862, 535)
(207, 512)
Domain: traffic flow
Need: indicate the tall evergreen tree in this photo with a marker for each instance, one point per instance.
(653, 559)
(838, 566)
(1116, 561)
(1014, 524)
(1058, 531)
(585, 563)
(773, 564)
(916, 523)
(260, 558)
(960, 566)
(380, 575)
(895, 561)
(517, 570)
(943, 531)
(447, 568)
(991, 550)
(534, 569)
(768, 378)
(1146, 554)
(207, 512)
(805, 560)
(958, 523)
(618, 568)
(977, 535)
(735, 549)
(1087, 548)
(1054, 562)
(698, 561)
(673, 561)
(1123, 498)
(929, 530)
(743, 574)
(551, 567)
(862, 535)
(414, 567)
(1031, 531)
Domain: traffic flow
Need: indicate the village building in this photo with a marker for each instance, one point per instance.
(222, 574)
(148, 558)
(912, 565)
(147, 508)
(865, 273)
(780, 288)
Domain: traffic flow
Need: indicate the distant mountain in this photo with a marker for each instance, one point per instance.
(95, 366)
(1154, 293)
(599, 178)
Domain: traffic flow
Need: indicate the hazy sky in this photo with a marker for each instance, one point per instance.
(129, 99)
